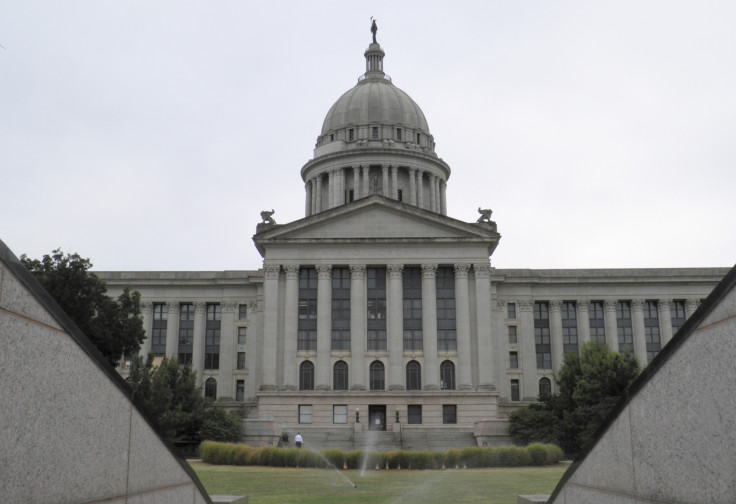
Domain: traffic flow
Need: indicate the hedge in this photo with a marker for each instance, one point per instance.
(536, 454)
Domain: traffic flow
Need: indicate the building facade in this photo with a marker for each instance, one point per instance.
(379, 312)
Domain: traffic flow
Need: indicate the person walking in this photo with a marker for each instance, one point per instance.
(298, 440)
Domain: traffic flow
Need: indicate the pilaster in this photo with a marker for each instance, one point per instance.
(486, 358)
(462, 321)
(200, 308)
(228, 351)
(555, 331)
(525, 337)
(395, 320)
(172, 330)
(147, 312)
(291, 325)
(270, 325)
(358, 321)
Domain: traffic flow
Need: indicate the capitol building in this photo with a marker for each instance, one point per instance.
(380, 314)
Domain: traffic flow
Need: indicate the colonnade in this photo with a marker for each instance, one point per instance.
(526, 337)
(425, 189)
(394, 354)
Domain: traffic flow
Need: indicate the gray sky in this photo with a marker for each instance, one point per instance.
(149, 135)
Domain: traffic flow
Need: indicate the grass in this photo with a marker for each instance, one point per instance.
(268, 485)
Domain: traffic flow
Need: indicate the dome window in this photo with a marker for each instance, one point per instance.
(419, 138)
(351, 134)
(332, 137)
(375, 133)
(398, 134)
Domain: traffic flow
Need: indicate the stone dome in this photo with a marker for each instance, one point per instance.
(375, 101)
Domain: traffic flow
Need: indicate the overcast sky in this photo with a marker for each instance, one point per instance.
(149, 135)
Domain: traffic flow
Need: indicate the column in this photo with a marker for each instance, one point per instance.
(366, 181)
(308, 202)
(431, 204)
(340, 187)
(664, 307)
(412, 186)
(147, 311)
(443, 197)
(486, 357)
(555, 332)
(291, 326)
(583, 321)
(324, 326)
(395, 182)
(356, 183)
(172, 330)
(637, 321)
(690, 306)
(462, 321)
(525, 334)
(436, 193)
(228, 350)
(395, 323)
(270, 325)
(198, 343)
(358, 321)
(609, 319)
(318, 199)
(429, 327)
(384, 181)
(420, 189)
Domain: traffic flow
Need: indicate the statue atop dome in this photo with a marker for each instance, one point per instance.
(374, 29)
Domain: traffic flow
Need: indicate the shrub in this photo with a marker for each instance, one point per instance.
(354, 459)
(537, 453)
(471, 457)
(452, 458)
(335, 457)
(438, 459)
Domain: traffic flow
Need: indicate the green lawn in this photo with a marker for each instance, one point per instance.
(266, 485)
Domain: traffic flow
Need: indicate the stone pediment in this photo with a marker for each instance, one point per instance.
(375, 218)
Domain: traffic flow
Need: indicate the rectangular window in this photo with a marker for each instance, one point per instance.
(212, 336)
(307, 324)
(624, 327)
(339, 414)
(242, 312)
(597, 322)
(350, 195)
(186, 332)
(376, 308)
(678, 315)
(158, 331)
(341, 308)
(241, 360)
(305, 413)
(398, 134)
(351, 135)
(512, 334)
(401, 195)
(569, 328)
(449, 414)
(446, 333)
(414, 413)
(241, 335)
(541, 336)
(374, 133)
(511, 310)
(412, 286)
(651, 330)
(513, 360)
(240, 390)
(515, 396)
(419, 138)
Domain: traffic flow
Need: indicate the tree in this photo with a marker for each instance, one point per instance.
(170, 395)
(113, 325)
(589, 385)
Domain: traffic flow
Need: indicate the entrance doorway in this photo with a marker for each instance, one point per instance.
(377, 418)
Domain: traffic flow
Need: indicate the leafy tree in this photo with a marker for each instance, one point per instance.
(113, 325)
(589, 385)
(170, 395)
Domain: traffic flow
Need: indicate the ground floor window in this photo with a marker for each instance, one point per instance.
(545, 387)
(449, 414)
(210, 388)
(240, 391)
(305, 413)
(339, 414)
(515, 390)
(414, 413)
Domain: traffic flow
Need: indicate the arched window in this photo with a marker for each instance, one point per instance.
(306, 376)
(378, 376)
(447, 375)
(210, 388)
(340, 376)
(545, 387)
(413, 376)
